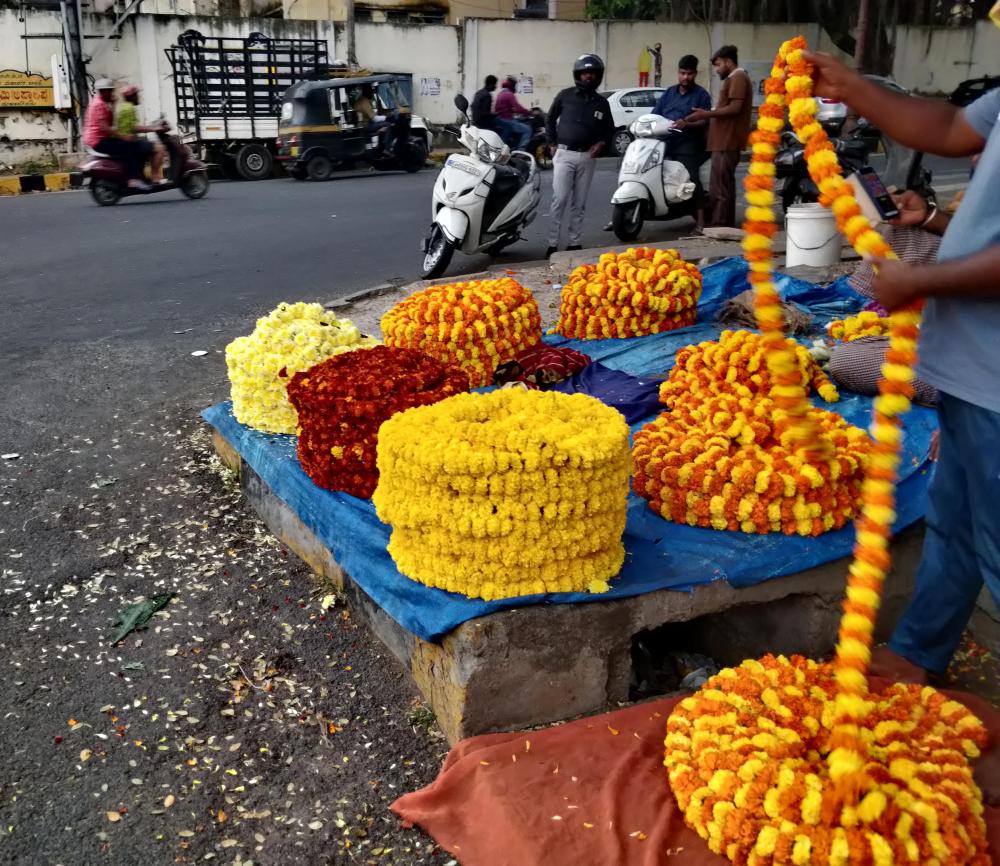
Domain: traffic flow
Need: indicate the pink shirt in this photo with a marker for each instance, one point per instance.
(507, 105)
(97, 121)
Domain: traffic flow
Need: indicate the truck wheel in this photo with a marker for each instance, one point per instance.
(253, 162)
(626, 220)
(319, 167)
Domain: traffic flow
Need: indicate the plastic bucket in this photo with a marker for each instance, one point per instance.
(811, 236)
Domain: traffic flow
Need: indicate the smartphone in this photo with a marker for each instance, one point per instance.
(874, 198)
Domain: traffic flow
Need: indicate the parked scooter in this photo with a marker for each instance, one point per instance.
(108, 179)
(481, 202)
(853, 151)
(649, 185)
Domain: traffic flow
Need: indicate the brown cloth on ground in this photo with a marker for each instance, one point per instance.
(588, 793)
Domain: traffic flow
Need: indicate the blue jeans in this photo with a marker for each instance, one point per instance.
(515, 134)
(962, 540)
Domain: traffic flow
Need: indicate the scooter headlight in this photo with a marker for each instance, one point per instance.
(487, 153)
(654, 159)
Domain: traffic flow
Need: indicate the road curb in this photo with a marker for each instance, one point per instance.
(55, 182)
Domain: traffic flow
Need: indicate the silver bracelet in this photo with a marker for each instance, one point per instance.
(930, 216)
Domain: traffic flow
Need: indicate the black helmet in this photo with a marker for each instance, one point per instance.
(589, 63)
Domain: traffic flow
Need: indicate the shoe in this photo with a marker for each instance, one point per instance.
(573, 247)
(550, 251)
(140, 185)
(610, 227)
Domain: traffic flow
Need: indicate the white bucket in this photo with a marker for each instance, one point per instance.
(811, 236)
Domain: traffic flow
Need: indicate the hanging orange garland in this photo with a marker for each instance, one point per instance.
(852, 778)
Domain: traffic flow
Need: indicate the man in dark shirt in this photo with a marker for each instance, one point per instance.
(482, 105)
(727, 133)
(578, 128)
(687, 146)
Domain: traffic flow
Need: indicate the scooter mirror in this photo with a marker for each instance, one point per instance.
(461, 103)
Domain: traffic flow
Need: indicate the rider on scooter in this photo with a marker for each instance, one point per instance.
(514, 132)
(99, 134)
(127, 123)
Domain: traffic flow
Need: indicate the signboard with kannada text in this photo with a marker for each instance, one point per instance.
(25, 90)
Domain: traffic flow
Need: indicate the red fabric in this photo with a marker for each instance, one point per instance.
(97, 121)
(541, 365)
(495, 801)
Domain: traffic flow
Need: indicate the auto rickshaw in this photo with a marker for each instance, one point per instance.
(326, 125)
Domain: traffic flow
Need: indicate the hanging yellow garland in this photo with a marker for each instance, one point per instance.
(882, 796)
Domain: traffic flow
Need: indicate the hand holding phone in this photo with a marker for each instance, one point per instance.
(913, 208)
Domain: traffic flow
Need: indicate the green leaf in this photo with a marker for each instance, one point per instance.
(137, 615)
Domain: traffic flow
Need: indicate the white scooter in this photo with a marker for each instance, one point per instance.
(649, 186)
(481, 202)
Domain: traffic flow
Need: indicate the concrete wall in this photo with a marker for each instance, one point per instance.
(447, 59)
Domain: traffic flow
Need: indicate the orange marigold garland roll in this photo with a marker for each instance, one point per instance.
(631, 294)
(477, 325)
(883, 780)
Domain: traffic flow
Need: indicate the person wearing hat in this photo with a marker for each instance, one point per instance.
(578, 128)
(100, 134)
(127, 123)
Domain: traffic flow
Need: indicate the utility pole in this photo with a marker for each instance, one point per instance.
(352, 57)
(861, 42)
(76, 67)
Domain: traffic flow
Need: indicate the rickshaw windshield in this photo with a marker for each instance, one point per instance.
(390, 97)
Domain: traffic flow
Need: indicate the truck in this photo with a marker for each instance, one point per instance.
(229, 93)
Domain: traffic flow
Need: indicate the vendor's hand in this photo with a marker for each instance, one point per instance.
(595, 150)
(833, 80)
(698, 114)
(895, 283)
(680, 124)
(913, 208)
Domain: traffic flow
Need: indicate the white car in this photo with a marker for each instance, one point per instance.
(628, 105)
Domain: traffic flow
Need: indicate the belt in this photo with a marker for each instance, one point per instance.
(573, 148)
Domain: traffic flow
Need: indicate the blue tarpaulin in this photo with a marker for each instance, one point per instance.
(659, 554)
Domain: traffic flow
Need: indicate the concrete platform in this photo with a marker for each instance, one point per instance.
(544, 663)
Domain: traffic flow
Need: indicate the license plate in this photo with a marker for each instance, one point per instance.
(294, 151)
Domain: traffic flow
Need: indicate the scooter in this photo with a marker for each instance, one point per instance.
(481, 202)
(108, 179)
(649, 185)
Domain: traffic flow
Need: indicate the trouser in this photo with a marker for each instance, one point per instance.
(722, 187)
(962, 536)
(572, 173)
(514, 133)
(125, 152)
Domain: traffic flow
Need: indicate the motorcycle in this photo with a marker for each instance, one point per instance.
(538, 146)
(108, 179)
(853, 151)
(481, 202)
(649, 185)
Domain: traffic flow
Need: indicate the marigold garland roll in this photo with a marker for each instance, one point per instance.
(342, 402)
(292, 337)
(640, 291)
(477, 325)
(744, 760)
(864, 324)
(724, 456)
(504, 494)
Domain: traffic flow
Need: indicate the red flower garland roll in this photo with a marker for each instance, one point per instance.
(342, 402)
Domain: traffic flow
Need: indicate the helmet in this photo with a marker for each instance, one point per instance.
(510, 83)
(103, 84)
(589, 63)
(129, 91)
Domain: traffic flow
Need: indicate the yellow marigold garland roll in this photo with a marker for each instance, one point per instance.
(640, 291)
(883, 780)
(289, 339)
(477, 325)
(508, 493)
(865, 324)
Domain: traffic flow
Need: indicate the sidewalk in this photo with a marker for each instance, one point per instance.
(56, 182)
